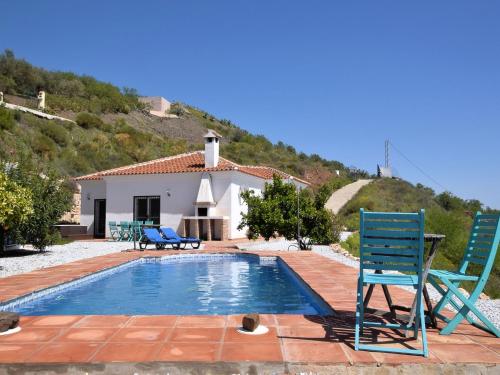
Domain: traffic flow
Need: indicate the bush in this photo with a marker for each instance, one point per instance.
(44, 146)
(352, 244)
(56, 132)
(275, 214)
(51, 199)
(7, 121)
(89, 121)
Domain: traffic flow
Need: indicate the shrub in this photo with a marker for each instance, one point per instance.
(275, 214)
(89, 121)
(352, 244)
(44, 146)
(7, 121)
(56, 132)
(16, 205)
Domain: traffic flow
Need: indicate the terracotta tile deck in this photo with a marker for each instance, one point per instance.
(292, 338)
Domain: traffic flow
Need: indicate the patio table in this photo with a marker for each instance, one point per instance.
(434, 240)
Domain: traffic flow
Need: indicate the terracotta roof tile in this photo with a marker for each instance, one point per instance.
(185, 163)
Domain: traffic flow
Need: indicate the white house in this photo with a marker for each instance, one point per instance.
(196, 193)
(158, 106)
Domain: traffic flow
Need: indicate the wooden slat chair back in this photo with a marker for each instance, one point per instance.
(476, 266)
(391, 243)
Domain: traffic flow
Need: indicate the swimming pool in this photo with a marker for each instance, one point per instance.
(186, 284)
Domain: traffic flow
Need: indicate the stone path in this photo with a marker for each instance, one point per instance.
(340, 197)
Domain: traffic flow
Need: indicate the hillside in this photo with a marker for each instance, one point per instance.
(445, 214)
(113, 129)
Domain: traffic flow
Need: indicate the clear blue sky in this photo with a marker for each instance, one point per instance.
(333, 78)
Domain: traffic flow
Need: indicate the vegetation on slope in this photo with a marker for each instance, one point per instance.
(108, 135)
(445, 214)
(65, 91)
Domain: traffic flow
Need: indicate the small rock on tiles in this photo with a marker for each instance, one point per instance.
(251, 322)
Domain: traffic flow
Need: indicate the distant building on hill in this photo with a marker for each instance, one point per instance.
(384, 171)
(158, 106)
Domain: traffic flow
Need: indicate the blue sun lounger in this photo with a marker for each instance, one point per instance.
(170, 234)
(152, 236)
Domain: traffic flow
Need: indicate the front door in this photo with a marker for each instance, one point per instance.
(99, 218)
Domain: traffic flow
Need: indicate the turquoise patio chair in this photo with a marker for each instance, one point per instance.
(391, 242)
(475, 267)
(114, 230)
(124, 230)
(148, 222)
(135, 230)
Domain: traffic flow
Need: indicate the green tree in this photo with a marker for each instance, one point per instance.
(16, 205)
(52, 197)
(275, 214)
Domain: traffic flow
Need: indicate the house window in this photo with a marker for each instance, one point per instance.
(147, 208)
(202, 211)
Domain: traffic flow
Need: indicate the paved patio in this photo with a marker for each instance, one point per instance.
(293, 342)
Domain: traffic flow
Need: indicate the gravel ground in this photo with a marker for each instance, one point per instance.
(490, 308)
(27, 260)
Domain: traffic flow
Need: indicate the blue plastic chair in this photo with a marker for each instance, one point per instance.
(171, 234)
(481, 251)
(391, 242)
(152, 236)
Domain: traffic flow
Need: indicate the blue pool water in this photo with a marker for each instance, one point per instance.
(185, 285)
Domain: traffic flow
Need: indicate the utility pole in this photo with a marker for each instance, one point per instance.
(387, 153)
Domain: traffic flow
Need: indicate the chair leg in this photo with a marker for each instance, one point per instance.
(424, 330)
(359, 314)
(462, 313)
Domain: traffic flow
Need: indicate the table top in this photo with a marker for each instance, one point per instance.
(434, 237)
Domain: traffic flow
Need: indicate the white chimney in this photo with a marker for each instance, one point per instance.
(211, 149)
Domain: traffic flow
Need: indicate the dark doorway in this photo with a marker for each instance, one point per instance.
(99, 218)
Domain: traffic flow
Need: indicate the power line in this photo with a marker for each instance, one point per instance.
(417, 167)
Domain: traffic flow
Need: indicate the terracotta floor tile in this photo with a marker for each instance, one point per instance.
(204, 321)
(232, 335)
(294, 320)
(65, 352)
(358, 357)
(233, 352)
(153, 321)
(435, 337)
(182, 334)
(141, 334)
(17, 352)
(125, 352)
(55, 321)
(108, 321)
(470, 353)
(306, 333)
(35, 335)
(314, 351)
(396, 359)
(196, 351)
(87, 334)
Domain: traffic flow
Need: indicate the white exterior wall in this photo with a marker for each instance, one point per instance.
(119, 192)
(90, 190)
